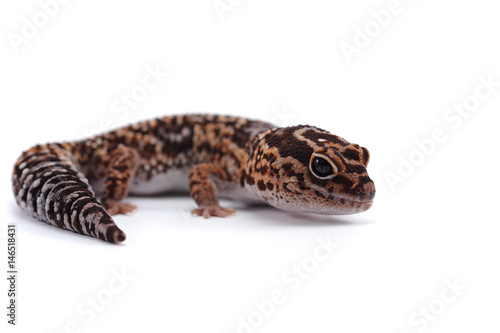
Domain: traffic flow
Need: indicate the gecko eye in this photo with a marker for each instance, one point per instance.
(321, 167)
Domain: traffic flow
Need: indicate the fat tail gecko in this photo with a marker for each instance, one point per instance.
(298, 168)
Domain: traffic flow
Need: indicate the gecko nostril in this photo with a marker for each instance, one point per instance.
(372, 195)
(359, 192)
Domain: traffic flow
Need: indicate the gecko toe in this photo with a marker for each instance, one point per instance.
(118, 207)
(215, 211)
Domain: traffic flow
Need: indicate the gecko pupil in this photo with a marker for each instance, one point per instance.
(321, 167)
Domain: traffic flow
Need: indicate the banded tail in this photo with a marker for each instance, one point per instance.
(48, 185)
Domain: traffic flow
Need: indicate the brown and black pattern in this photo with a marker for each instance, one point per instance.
(280, 171)
(204, 189)
(223, 155)
(122, 165)
(49, 186)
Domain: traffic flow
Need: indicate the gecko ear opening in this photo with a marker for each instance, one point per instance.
(366, 156)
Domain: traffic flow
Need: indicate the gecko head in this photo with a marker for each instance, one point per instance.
(306, 169)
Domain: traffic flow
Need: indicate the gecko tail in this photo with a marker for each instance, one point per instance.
(49, 186)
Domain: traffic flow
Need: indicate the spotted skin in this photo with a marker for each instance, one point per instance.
(211, 155)
(121, 168)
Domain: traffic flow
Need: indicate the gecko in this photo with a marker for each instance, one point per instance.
(79, 185)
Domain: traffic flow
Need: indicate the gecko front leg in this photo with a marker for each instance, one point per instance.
(122, 166)
(204, 190)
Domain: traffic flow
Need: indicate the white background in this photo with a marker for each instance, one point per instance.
(278, 61)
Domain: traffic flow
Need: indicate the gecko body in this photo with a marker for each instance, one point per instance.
(298, 168)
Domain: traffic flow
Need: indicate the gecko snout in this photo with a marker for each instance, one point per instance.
(371, 195)
(365, 194)
(365, 191)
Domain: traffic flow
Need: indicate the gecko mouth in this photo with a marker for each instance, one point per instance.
(351, 205)
(331, 203)
(359, 204)
(352, 202)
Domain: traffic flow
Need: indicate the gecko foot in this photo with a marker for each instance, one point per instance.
(214, 210)
(114, 207)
